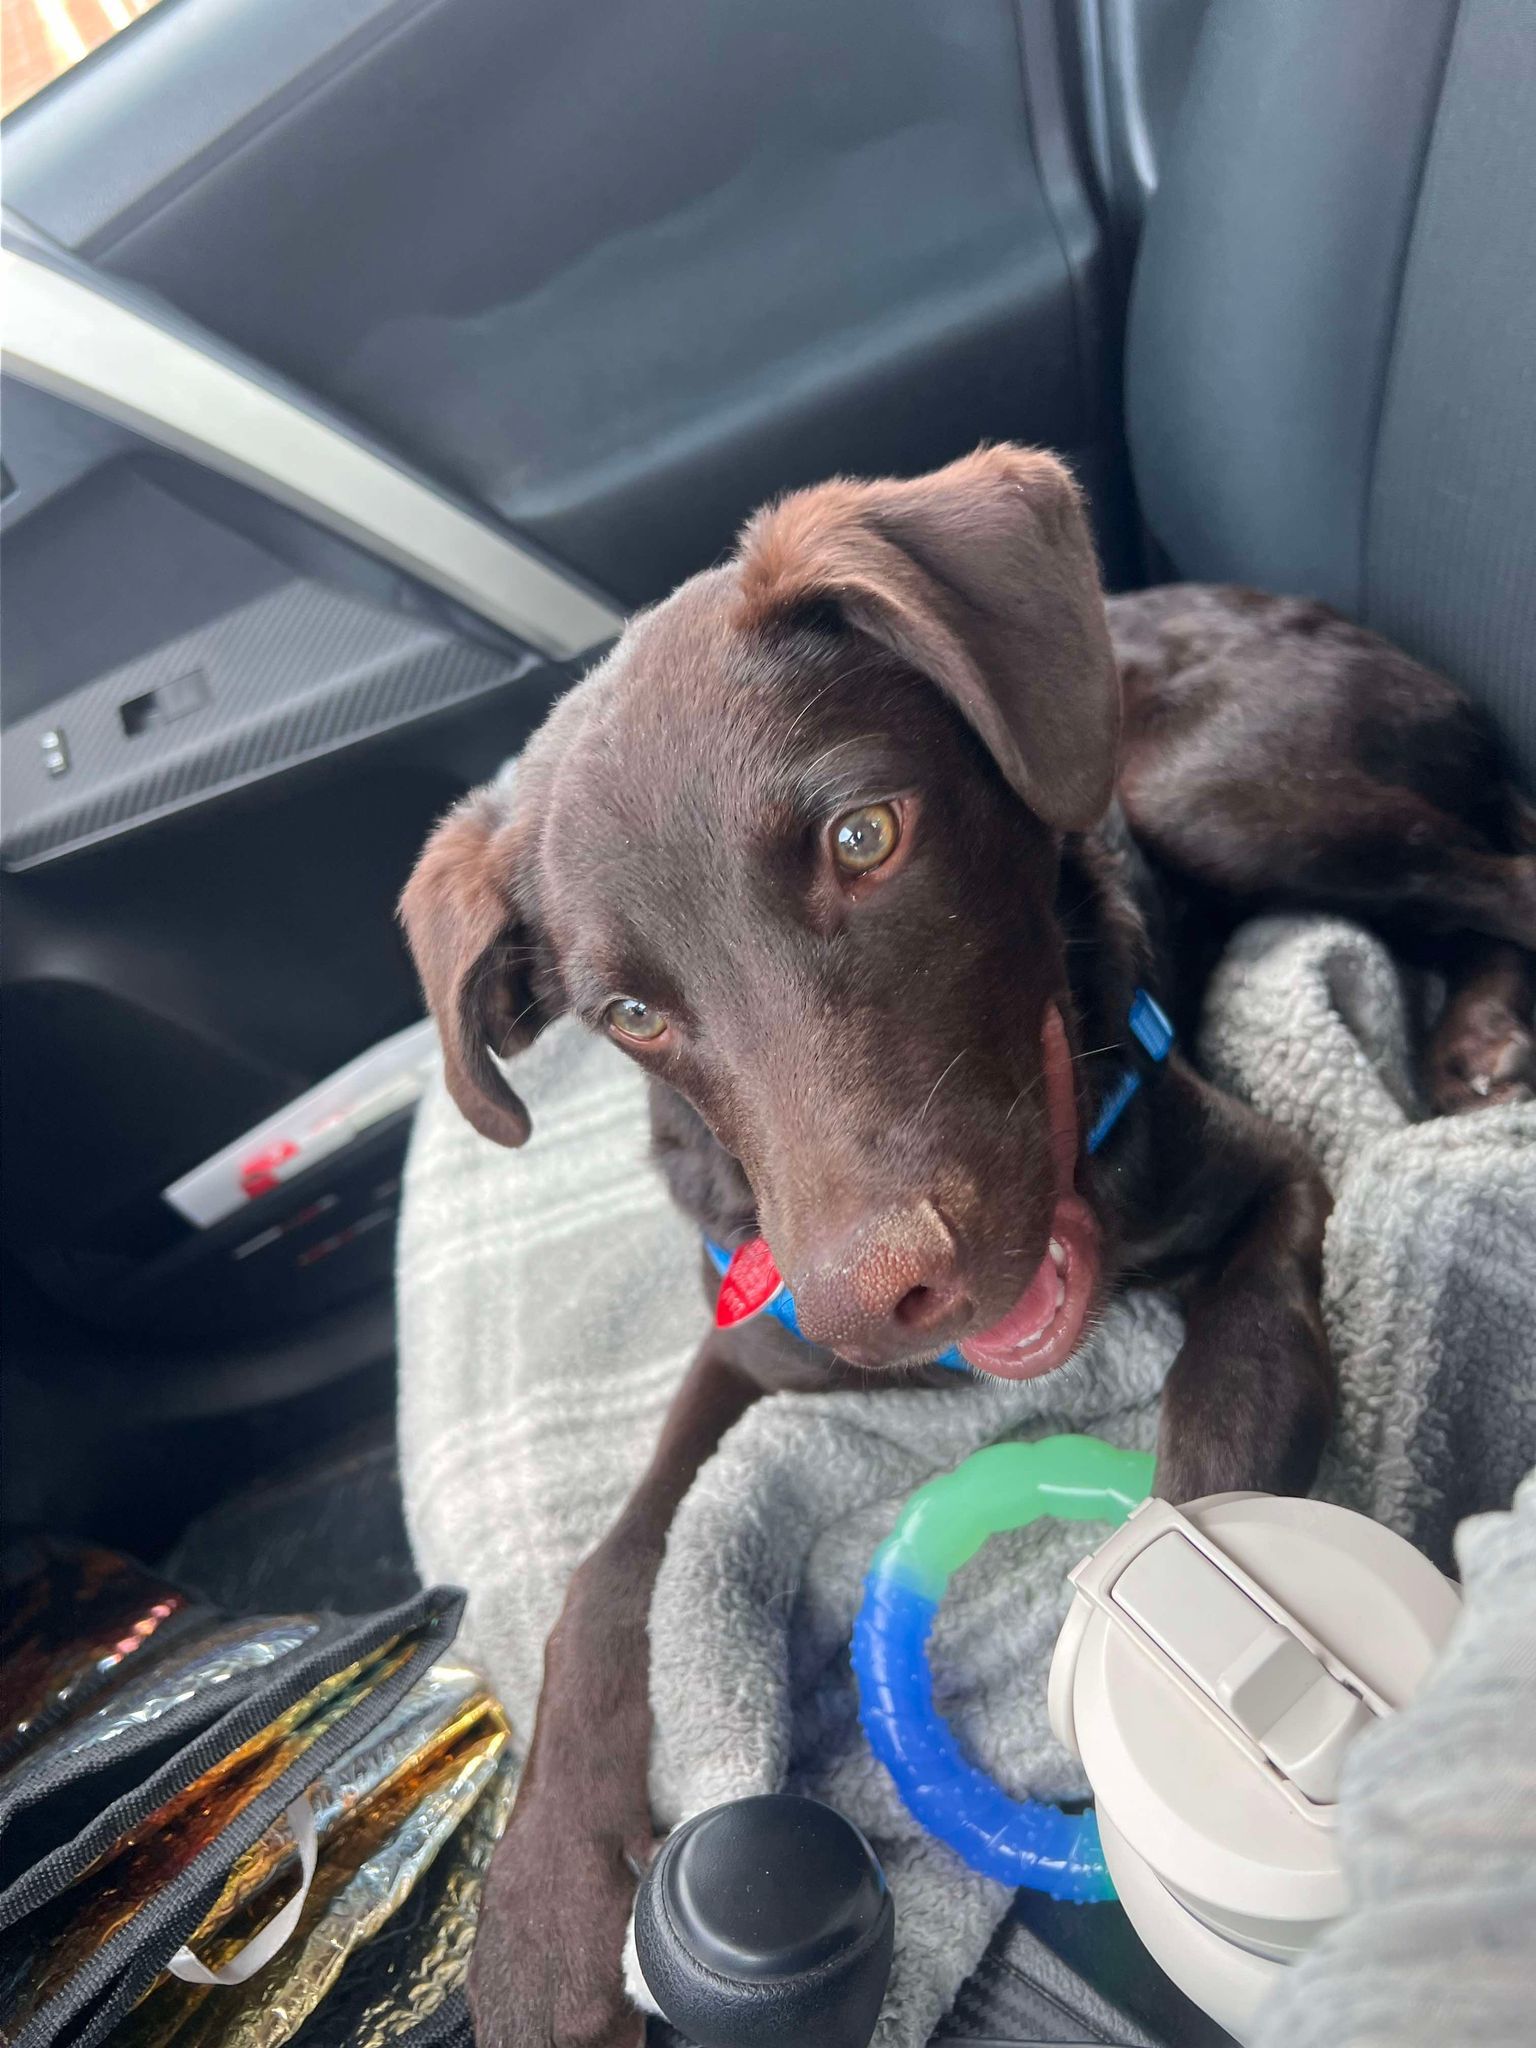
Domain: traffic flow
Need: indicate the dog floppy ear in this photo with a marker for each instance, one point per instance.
(474, 953)
(983, 577)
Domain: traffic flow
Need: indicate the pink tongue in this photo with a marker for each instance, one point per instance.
(1036, 1306)
(1029, 1315)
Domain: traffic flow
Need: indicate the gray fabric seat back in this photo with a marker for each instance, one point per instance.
(1331, 375)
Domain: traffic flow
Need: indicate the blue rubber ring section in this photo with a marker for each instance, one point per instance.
(1020, 1842)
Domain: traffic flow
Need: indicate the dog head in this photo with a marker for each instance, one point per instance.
(793, 846)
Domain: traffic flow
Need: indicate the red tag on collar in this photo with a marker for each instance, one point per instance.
(748, 1284)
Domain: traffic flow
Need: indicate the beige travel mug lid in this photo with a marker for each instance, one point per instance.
(1217, 1664)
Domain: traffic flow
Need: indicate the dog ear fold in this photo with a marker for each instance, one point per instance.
(474, 953)
(983, 577)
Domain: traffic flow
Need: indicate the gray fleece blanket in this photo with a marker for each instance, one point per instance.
(549, 1303)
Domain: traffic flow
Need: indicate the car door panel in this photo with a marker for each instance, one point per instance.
(591, 282)
(638, 266)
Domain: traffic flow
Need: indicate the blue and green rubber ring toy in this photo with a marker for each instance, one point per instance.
(943, 1525)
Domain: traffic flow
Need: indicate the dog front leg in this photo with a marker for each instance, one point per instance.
(1249, 1400)
(547, 1965)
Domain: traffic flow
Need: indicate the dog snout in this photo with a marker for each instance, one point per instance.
(887, 1288)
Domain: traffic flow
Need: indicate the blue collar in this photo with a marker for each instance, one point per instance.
(1148, 1023)
(750, 1282)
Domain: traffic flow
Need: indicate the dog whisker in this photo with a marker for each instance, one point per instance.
(1087, 903)
(933, 1091)
(809, 706)
(833, 683)
(1030, 1088)
(813, 787)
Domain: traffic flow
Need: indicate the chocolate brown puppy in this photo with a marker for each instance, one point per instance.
(860, 846)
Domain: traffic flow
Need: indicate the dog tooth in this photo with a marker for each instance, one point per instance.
(1058, 1256)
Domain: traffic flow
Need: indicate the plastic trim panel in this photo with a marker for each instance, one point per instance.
(293, 674)
(82, 342)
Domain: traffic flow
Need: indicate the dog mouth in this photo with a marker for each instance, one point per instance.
(1045, 1325)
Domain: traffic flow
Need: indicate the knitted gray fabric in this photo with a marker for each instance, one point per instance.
(1429, 1272)
(1438, 1834)
(549, 1302)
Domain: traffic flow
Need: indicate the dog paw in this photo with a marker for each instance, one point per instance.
(1482, 1057)
(547, 1969)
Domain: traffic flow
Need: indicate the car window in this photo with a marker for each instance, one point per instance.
(42, 39)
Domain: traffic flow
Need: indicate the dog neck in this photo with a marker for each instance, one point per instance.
(1106, 896)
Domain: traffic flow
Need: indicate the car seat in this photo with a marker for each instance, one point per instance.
(1333, 327)
(1330, 389)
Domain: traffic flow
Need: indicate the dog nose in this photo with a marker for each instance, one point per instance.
(888, 1287)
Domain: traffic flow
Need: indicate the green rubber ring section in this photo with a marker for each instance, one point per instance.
(1073, 1478)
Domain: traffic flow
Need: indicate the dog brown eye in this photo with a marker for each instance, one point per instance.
(865, 838)
(631, 1018)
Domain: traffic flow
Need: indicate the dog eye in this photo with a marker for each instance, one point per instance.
(865, 839)
(628, 1017)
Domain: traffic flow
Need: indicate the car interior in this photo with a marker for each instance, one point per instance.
(368, 364)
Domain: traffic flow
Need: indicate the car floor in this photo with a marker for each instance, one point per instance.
(322, 1531)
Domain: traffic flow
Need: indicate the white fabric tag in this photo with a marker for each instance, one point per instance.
(262, 1947)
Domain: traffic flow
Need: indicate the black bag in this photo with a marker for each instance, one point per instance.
(60, 1817)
